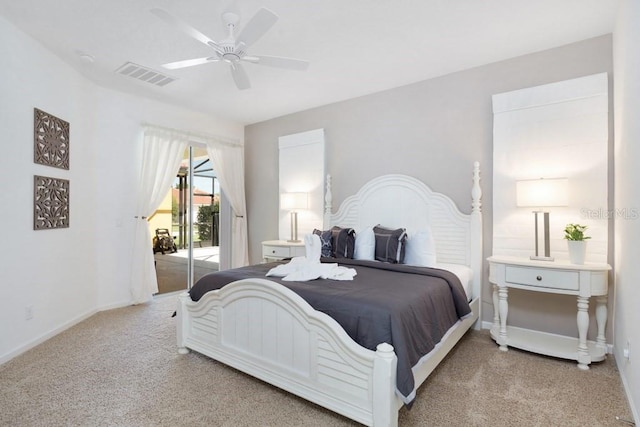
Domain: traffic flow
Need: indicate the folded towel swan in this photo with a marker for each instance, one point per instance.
(309, 267)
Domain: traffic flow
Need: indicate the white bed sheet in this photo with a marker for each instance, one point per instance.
(464, 273)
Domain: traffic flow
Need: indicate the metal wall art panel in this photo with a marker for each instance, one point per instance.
(50, 140)
(50, 203)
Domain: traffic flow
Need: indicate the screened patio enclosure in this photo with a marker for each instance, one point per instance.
(206, 203)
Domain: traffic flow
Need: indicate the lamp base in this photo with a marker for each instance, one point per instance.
(294, 227)
(294, 241)
(545, 238)
(541, 258)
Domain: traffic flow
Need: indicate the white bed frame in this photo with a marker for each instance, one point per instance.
(266, 330)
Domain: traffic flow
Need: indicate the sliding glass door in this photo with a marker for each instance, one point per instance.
(194, 224)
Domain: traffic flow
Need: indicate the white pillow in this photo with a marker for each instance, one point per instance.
(365, 244)
(420, 249)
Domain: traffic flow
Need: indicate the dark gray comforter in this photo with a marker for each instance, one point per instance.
(411, 308)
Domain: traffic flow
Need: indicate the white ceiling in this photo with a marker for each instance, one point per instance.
(355, 47)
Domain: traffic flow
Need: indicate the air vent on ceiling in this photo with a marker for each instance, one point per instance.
(145, 74)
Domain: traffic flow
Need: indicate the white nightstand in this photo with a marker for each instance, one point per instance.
(559, 277)
(274, 250)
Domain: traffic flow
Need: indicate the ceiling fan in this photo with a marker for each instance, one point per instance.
(233, 49)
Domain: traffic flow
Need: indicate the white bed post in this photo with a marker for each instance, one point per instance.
(328, 199)
(476, 239)
(385, 411)
(182, 322)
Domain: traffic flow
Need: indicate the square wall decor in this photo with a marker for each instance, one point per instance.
(50, 140)
(50, 203)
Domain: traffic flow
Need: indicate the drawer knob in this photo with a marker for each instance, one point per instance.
(539, 278)
(273, 252)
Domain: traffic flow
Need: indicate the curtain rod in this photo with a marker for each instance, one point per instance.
(202, 136)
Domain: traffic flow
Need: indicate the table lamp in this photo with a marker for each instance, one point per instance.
(293, 202)
(542, 193)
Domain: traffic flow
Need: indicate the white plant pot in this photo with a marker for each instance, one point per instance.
(577, 251)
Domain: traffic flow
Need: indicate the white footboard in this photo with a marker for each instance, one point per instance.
(266, 330)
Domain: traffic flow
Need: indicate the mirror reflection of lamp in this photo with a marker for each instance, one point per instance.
(293, 202)
(542, 193)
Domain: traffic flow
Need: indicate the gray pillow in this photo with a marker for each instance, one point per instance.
(343, 242)
(390, 244)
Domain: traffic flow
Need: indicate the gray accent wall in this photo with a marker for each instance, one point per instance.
(432, 130)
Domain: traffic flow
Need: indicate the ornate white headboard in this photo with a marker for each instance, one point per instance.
(403, 201)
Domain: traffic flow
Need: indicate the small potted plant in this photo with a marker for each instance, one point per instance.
(574, 233)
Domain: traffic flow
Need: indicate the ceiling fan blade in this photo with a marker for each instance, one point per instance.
(279, 62)
(189, 63)
(257, 26)
(185, 28)
(240, 76)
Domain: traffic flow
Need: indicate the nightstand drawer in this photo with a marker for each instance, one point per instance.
(544, 278)
(276, 251)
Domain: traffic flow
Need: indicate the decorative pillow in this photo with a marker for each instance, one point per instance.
(390, 244)
(421, 249)
(365, 245)
(343, 242)
(325, 240)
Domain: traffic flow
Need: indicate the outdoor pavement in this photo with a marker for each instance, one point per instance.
(171, 269)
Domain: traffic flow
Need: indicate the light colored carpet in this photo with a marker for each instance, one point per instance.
(121, 368)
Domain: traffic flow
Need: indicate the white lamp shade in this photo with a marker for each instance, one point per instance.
(542, 192)
(293, 201)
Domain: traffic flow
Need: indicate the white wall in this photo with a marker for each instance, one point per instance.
(68, 274)
(627, 196)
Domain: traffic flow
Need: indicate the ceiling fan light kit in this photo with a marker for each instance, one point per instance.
(232, 50)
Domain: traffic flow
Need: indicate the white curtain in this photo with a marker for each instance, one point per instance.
(228, 163)
(162, 152)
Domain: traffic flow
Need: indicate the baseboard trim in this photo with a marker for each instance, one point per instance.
(620, 362)
(52, 333)
(42, 338)
(114, 305)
